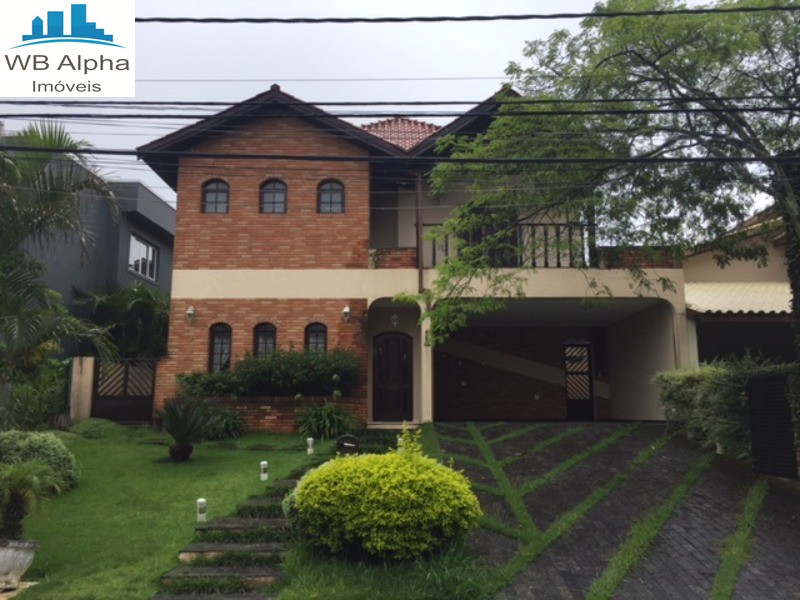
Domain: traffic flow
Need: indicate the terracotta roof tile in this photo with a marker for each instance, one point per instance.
(739, 297)
(402, 132)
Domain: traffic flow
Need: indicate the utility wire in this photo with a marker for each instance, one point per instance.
(600, 14)
(499, 102)
(404, 160)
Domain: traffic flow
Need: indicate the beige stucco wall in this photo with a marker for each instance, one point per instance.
(702, 267)
(639, 347)
(80, 388)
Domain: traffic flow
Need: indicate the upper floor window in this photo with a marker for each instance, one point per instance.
(264, 339)
(215, 197)
(330, 197)
(143, 258)
(219, 355)
(316, 337)
(273, 197)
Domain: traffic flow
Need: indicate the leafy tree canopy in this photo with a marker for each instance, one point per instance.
(653, 133)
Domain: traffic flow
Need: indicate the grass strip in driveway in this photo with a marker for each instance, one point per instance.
(531, 551)
(735, 548)
(642, 535)
(515, 434)
(577, 459)
(544, 445)
(511, 494)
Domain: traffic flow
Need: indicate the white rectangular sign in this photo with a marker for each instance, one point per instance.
(63, 49)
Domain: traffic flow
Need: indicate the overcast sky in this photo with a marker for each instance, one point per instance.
(439, 61)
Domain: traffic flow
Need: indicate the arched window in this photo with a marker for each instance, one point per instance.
(273, 197)
(316, 337)
(264, 339)
(215, 197)
(219, 348)
(330, 197)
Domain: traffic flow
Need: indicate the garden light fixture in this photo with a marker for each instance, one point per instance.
(310, 442)
(201, 510)
(395, 319)
(264, 470)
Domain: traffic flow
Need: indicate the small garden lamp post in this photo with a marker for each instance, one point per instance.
(201, 510)
(310, 443)
(264, 470)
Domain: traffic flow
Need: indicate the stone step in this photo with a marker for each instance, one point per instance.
(254, 576)
(214, 550)
(263, 501)
(247, 596)
(240, 524)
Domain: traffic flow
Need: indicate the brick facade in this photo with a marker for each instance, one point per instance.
(301, 238)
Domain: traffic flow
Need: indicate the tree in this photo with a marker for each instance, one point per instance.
(670, 125)
(137, 317)
(40, 192)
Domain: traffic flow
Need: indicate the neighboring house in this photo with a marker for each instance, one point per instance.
(277, 251)
(134, 246)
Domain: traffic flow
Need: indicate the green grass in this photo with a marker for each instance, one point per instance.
(735, 548)
(642, 535)
(451, 574)
(115, 534)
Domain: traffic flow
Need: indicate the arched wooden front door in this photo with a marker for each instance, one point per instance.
(392, 378)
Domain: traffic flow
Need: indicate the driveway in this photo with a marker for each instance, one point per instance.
(622, 510)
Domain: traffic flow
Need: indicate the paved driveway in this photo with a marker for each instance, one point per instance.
(561, 499)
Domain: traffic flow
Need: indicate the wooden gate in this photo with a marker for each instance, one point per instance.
(771, 427)
(123, 390)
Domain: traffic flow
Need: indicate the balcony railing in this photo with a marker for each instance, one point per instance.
(540, 245)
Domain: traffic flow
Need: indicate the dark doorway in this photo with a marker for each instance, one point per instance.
(392, 378)
(771, 426)
(579, 381)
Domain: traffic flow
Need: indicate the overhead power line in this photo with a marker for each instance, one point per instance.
(499, 102)
(465, 19)
(432, 114)
(403, 160)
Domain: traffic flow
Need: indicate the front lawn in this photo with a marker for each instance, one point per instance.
(115, 534)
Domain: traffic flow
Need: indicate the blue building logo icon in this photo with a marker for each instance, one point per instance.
(83, 31)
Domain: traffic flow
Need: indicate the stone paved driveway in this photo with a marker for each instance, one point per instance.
(560, 499)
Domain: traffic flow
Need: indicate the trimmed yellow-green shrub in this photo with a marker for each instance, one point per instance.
(397, 505)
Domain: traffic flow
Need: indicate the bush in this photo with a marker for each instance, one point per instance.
(324, 422)
(398, 505)
(37, 401)
(709, 404)
(281, 373)
(24, 446)
(223, 424)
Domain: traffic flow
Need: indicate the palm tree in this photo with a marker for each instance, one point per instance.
(41, 182)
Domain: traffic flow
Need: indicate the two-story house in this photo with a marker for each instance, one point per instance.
(296, 229)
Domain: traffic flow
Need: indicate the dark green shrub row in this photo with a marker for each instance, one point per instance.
(399, 505)
(282, 373)
(25, 446)
(37, 400)
(709, 404)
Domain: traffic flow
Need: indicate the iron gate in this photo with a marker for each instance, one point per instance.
(123, 390)
(579, 381)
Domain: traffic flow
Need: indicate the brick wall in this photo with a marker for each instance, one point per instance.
(395, 258)
(299, 239)
(189, 342)
(277, 414)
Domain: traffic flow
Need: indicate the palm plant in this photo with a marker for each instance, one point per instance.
(41, 182)
(186, 420)
(22, 487)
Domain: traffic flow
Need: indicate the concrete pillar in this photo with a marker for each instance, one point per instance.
(80, 388)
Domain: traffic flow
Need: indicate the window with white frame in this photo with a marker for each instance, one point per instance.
(143, 258)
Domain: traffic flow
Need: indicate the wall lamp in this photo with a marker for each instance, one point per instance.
(190, 314)
(346, 313)
(395, 319)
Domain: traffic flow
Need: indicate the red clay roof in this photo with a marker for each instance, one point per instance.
(402, 132)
